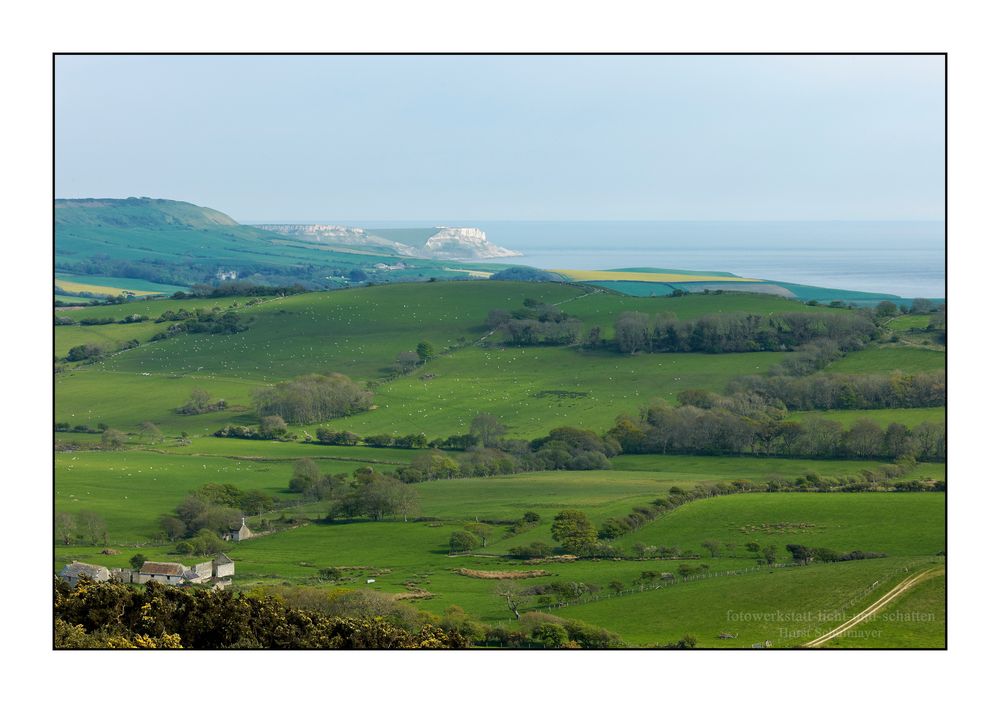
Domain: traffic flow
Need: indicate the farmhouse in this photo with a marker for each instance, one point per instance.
(223, 566)
(199, 573)
(217, 572)
(72, 572)
(162, 571)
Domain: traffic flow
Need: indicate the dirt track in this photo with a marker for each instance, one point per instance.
(898, 590)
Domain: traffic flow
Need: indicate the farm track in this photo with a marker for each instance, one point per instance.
(894, 593)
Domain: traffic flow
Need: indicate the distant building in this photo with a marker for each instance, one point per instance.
(217, 572)
(162, 571)
(240, 534)
(199, 573)
(72, 572)
(223, 566)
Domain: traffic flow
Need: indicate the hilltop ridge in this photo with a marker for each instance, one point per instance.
(147, 213)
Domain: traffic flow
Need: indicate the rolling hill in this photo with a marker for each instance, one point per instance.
(178, 243)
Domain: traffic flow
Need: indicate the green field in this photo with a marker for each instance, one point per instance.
(840, 521)
(103, 284)
(911, 417)
(786, 607)
(889, 359)
(916, 619)
(905, 323)
(359, 332)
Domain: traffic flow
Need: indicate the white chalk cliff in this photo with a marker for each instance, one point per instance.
(444, 243)
(465, 243)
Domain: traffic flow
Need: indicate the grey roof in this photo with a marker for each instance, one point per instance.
(79, 568)
(222, 559)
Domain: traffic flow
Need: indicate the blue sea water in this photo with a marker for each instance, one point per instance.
(904, 258)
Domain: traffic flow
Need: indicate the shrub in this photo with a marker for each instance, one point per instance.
(462, 541)
(535, 550)
(313, 398)
(341, 438)
(84, 352)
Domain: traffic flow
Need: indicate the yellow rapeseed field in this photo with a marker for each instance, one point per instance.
(71, 287)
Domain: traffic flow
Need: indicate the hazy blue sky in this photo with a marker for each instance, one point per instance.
(451, 138)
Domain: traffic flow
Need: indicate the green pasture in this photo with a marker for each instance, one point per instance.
(904, 323)
(74, 299)
(786, 607)
(154, 307)
(360, 332)
(274, 450)
(602, 307)
(899, 524)
(524, 387)
(911, 417)
(400, 555)
(888, 359)
(915, 619)
(107, 337)
(357, 331)
(133, 488)
(754, 468)
(123, 400)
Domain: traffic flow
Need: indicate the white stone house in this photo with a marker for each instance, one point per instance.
(163, 571)
(218, 570)
(199, 573)
(223, 566)
(72, 572)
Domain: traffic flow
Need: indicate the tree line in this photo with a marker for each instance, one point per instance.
(662, 429)
(204, 322)
(535, 323)
(740, 332)
(704, 423)
(847, 391)
(92, 352)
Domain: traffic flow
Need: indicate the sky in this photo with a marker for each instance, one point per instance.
(447, 138)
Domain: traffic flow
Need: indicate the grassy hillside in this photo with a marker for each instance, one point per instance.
(889, 359)
(916, 619)
(135, 228)
(749, 606)
(360, 332)
(899, 524)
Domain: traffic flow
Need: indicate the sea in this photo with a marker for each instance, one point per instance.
(903, 258)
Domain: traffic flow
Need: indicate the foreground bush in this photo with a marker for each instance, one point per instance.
(112, 616)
